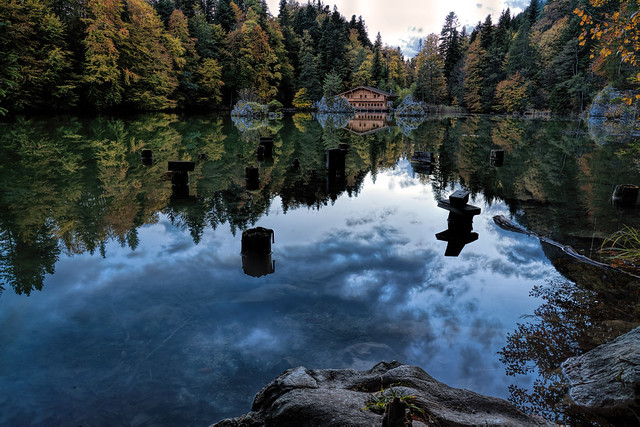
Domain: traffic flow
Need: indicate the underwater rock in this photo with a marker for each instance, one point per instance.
(337, 397)
(606, 380)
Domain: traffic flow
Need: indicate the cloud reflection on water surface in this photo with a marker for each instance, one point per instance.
(175, 326)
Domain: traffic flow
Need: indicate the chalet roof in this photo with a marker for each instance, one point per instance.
(371, 89)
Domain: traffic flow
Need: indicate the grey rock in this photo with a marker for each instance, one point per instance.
(335, 104)
(331, 397)
(409, 108)
(606, 380)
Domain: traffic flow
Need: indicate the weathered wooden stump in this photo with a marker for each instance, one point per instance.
(459, 223)
(146, 156)
(497, 158)
(459, 198)
(625, 195)
(335, 159)
(257, 241)
(267, 146)
(181, 166)
(252, 177)
(258, 265)
(180, 177)
(422, 157)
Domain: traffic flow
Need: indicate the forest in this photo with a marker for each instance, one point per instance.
(101, 55)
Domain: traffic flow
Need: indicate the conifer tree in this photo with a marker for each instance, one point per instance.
(224, 15)
(377, 73)
(451, 51)
(308, 77)
(430, 81)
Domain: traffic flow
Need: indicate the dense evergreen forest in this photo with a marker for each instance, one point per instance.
(165, 54)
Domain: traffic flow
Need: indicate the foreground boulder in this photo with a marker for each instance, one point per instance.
(606, 380)
(331, 397)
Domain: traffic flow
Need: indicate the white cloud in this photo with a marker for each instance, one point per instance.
(395, 20)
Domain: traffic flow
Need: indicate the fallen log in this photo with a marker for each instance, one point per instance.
(506, 224)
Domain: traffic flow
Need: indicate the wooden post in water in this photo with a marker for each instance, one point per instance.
(252, 177)
(459, 223)
(180, 177)
(497, 158)
(146, 157)
(256, 252)
(625, 195)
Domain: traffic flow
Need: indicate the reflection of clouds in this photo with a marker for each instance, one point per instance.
(354, 285)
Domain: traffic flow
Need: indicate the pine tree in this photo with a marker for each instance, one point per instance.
(377, 73)
(308, 77)
(451, 51)
(332, 84)
(224, 15)
(430, 81)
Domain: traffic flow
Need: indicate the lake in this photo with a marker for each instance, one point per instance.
(128, 301)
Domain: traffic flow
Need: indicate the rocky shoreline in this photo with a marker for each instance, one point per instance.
(604, 382)
(347, 397)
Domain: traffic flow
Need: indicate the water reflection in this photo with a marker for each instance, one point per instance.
(166, 313)
(256, 252)
(364, 123)
(460, 222)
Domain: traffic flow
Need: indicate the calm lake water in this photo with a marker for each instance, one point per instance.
(124, 305)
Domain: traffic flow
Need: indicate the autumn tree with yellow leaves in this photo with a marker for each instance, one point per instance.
(615, 27)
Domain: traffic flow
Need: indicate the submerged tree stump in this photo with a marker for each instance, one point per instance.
(146, 156)
(257, 241)
(497, 158)
(625, 195)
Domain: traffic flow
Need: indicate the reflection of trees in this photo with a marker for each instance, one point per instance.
(78, 184)
(407, 124)
(571, 321)
(24, 260)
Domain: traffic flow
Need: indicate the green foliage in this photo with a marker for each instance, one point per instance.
(210, 81)
(275, 105)
(623, 244)
(332, 85)
(115, 53)
(512, 94)
(301, 99)
(35, 65)
(430, 80)
(379, 401)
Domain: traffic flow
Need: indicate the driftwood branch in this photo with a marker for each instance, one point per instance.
(506, 224)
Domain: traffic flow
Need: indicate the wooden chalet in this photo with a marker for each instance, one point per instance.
(365, 98)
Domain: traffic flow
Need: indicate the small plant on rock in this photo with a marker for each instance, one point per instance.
(379, 401)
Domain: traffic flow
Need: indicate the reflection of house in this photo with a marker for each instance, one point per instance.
(365, 98)
(364, 123)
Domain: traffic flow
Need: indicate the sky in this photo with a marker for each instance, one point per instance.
(403, 22)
